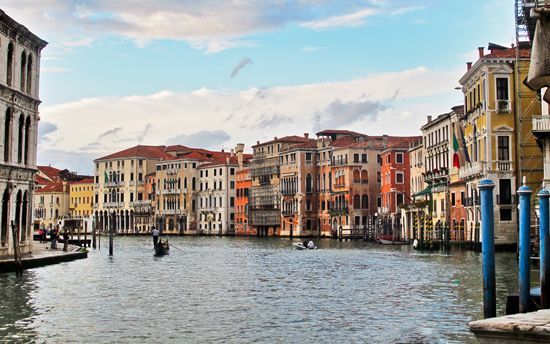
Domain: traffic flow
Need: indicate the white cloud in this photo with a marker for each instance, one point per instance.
(367, 104)
(54, 69)
(352, 20)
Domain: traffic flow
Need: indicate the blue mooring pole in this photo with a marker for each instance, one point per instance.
(544, 252)
(486, 187)
(524, 247)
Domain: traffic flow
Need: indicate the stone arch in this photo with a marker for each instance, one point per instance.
(365, 202)
(356, 202)
(29, 74)
(24, 217)
(364, 177)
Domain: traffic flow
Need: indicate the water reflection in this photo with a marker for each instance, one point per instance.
(243, 290)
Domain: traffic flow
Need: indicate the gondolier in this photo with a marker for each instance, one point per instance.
(155, 233)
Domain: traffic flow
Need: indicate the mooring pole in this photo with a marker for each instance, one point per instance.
(486, 187)
(544, 252)
(524, 246)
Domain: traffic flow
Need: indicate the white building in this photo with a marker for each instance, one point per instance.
(20, 53)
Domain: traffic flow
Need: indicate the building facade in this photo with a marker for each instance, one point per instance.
(20, 53)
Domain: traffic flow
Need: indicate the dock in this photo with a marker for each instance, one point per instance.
(43, 255)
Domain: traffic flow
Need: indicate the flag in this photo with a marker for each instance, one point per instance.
(466, 155)
(456, 161)
(106, 177)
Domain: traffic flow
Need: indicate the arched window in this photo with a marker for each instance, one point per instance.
(308, 205)
(365, 202)
(356, 202)
(364, 177)
(193, 183)
(24, 208)
(185, 183)
(29, 74)
(23, 70)
(309, 187)
(9, 72)
(330, 180)
(356, 176)
(20, 139)
(27, 141)
(7, 135)
(5, 218)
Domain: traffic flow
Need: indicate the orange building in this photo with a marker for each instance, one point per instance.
(395, 175)
(243, 184)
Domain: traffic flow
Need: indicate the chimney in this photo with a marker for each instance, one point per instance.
(480, 49)
(429, 118)
(385, 139)
(371, 143)
(240, 149)
(275, 138)
(469, 64)
(222, 151)
(257, 142)
(232, 153)
(306, 135)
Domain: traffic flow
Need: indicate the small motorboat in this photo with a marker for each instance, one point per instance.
(300, 246)
(162, 248)
(393, 242)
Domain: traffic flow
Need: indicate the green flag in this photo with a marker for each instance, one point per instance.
(106, 177)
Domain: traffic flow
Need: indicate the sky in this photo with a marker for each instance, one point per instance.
(212, 74)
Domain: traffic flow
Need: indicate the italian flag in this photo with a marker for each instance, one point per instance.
(456, 161)
(107, 177)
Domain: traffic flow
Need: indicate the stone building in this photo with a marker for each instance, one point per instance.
(20, 52)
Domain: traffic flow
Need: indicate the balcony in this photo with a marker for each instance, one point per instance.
(288, 212)
(40, 205)
(476, 169)
(142, 202)
(171, 192)
(504, 106)
(171, 171)
(113, 184)
(174, 212)
(289, 191)
(339, 162)
(113, 204)
(511, 200)
(131, 183)
(140, 182)
(504, 166)
(338, 208)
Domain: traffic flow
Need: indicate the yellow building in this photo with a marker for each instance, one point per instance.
(82, 198)
(496, 130)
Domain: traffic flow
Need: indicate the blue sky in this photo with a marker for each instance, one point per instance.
(213, 74)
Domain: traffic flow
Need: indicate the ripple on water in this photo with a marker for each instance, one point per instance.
(244, 290)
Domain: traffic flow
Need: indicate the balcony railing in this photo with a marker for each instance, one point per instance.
(173, 212)
(339, 162)
(504, 166)
(338, 207)
(142, 202)
(475, 169)
(541, 123)
(113, 204)
(171, 192)
(171, 171)
(506, 200)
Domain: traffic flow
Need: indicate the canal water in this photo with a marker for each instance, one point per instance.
(252, 290)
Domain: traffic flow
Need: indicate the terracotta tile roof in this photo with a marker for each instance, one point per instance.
(194, 155)
(509, 53)
(85, 181)
(50, 172)
(457, 183)
(178, 149)
(54, 187)
(345, 141)
(403, 142)
(332, 132)
(139, 151)
(292, 138)
(41, 180)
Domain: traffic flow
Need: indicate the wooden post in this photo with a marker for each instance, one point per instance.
(16, 250)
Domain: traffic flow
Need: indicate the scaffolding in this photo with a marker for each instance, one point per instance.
(527, 105)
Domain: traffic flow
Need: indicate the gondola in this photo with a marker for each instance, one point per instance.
(162, 248)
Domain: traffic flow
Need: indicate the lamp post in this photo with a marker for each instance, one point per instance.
(112, 212)
(375, 225)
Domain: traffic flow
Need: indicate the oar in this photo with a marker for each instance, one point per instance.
(170, 244)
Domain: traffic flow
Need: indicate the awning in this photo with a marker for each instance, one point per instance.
(426, 191)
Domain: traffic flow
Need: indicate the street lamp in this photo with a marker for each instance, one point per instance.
(112, 212)
(375, 225)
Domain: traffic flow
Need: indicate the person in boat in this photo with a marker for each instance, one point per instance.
(155, 233)
(311, 245)
(305, 243)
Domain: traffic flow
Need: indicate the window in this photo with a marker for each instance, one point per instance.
(231, 171)
(398, 158)
(308, 225)
(503, 148)
(379, 176)
(364, 158)
(502, 89)
(399, 178)
(453, 199)
(462, 198)
(399, 199)
(232, 185)
(355, 157)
